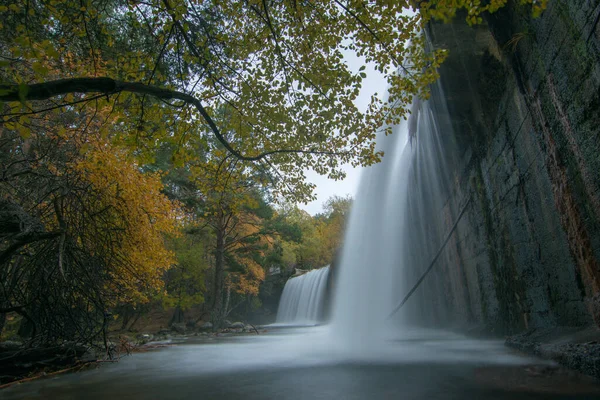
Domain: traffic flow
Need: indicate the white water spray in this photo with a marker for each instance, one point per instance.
(381, 258)
(368, 270)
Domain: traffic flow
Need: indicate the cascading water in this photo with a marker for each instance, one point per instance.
(395, 228)
(368, 270)
(302, 298)
(378, 265)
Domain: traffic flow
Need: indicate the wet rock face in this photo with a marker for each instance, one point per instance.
(524, 104)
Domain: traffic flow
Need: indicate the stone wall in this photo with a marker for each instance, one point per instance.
(523, 154)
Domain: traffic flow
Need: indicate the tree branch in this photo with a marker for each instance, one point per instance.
(10, 250)
(432, 263)
(107, 86)
(375, 35)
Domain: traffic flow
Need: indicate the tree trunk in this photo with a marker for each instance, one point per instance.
(126, 317)
(227, 299)
(137, 317)
(178, 316)
(2, 322)
(217, 306)
(3, 305)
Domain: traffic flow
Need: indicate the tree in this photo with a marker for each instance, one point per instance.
(336, 213)
(316, 239)
(232, 209)
(82, 228)
(90, 91)
(82, 231)
(304, 252)
(184, 282)
(221, 196)
(275, 70)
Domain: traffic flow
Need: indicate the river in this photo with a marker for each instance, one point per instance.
(309, 363)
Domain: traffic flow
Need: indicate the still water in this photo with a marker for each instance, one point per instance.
(309, 363)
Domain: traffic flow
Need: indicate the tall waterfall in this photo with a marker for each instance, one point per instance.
(381, 260)
(302, 298)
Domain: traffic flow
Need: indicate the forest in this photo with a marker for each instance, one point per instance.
(154, 159)
(156, 151)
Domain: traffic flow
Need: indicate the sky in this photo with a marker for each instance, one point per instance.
(374, 82)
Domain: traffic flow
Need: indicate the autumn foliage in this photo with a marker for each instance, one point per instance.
(144, 145)
(134, 204)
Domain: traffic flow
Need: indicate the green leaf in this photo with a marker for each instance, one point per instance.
(40, 69)
(24, 132)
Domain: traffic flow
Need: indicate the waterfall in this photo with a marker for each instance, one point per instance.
(381, 260)
(302, 298)
(367, 270)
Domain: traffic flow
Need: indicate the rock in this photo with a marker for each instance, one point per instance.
(144, 338)
(299, 272)
(206, 326)
(237, 325)
(249, 328)
(226, 324)
(178, 327)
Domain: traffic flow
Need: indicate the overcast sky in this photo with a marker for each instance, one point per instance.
(373, 83)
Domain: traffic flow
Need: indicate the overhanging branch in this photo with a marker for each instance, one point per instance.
(107, 86)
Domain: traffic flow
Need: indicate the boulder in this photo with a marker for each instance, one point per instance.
(237, 325)
(226, 324)
(299, 272)
(144, 338)
(206, 326)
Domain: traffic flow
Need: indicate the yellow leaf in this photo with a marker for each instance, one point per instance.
(40, 69)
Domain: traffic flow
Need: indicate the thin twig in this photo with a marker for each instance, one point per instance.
(431, 265)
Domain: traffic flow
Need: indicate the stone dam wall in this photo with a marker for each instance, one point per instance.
(521, 149)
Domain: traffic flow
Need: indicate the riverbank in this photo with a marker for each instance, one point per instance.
(318, 363)
(575, 348)
(19, 363)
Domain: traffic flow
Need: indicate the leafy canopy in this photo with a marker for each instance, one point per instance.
(267, 78)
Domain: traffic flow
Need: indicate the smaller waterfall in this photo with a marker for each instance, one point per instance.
(302, 298)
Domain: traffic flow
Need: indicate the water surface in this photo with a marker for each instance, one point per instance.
(309, 363)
